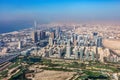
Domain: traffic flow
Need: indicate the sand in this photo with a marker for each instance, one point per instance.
(53, 75)
(112, 44)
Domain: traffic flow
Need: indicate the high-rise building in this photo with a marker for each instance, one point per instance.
(68, 50)
(57, 32)
(34, 37)
(50, 52)
(42, 35)
(81, 54)
(87, 54)
(59, 52)
(92, 55)
(99, 41)
(76, 53)
(50, 41)
(34, 33)
(19, 44)
(52, 35)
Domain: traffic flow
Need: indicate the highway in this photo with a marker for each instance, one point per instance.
(7, 58)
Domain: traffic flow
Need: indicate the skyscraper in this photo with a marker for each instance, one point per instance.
(19, 44)
(50, 52)
(34, 37)
(57, 32)
(59, 52)
(99, 41)
(81, 54)
(42, 35)
(76, 53)
(50, 41)
(34, 33)
(68, 50)
(52, 35)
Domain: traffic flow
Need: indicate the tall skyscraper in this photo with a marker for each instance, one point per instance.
(57, 32)
(92, 55)
(50, 41)
(34, 33)
(19, 44)
(76, 53)
(34, 37)
(99, 41)
(52, 35)
(42, 35)
(81, 54)
(59, 52)
(50, 52)
(68, 50)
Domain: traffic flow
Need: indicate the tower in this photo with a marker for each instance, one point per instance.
(81, 54)
(76, 53)
(19, 44)
(50, 41)
(50, 52)
(68, 49)
(42, 35)
(52, 35)
(99, 41)
(59, 52)
(34, 33)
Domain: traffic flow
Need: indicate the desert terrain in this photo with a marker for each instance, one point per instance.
(112, 44)
(53, 75)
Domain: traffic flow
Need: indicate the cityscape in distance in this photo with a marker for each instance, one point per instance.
(59, 40)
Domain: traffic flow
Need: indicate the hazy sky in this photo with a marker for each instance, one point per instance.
(59, 10)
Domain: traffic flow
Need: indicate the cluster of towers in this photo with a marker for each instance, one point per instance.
(77, 46)
(54, 36)
(80, 52)
(86, 40)
(36, 36)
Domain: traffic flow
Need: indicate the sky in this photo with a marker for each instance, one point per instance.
(44, 11)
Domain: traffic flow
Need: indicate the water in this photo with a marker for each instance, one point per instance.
(13, 26)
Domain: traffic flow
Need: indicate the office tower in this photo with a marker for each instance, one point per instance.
(92, 55)
(59, 52)
(87, 54)
(34, 37)
(51, 41)
(42, 35)
(50, 52)
(72, 39)
(19, 44)
(52, 35)
(81, 54)
(99, 41)
(76, 53)
(86, 40)
(81, 42)
(34, 33)
(95, 34)
(57, 32)
(68, 50)
(75, 37)
(95, 37)
(78, 38)
(75, 43)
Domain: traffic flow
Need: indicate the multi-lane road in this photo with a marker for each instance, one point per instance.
(7, 58)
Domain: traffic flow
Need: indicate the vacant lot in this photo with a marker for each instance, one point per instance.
(53, 75)
(112, 44)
